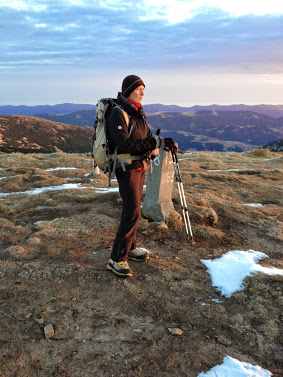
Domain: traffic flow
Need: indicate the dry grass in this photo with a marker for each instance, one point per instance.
(261, 153)
(54, 250)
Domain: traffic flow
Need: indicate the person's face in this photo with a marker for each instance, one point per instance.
(137, 95)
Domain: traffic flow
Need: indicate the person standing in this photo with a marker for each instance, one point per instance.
(136, 139)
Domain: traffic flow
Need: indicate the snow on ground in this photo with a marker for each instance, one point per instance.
(66, 186)
(253, 204)
(12, 176)
(229, 272)
(107, 190)
(237, 170)
(235, 368)
(221, 170)
(53, 169)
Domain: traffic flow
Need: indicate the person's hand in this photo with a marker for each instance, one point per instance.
(168, 144)
(154, 153)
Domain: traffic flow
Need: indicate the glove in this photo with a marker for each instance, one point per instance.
(166, 143)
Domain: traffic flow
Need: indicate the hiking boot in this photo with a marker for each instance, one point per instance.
(139, 255)
(119, 268)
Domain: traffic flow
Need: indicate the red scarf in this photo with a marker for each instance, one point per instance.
(137, 105)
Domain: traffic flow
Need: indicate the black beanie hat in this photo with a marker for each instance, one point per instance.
(130, 83)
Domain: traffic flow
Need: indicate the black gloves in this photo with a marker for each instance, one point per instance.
(165, 143)
(169, 145)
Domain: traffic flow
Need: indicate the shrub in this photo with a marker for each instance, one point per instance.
(261, 152)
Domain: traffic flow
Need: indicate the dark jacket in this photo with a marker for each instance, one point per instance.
(140, 142)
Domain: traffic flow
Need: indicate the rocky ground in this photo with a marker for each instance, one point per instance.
(55, 246)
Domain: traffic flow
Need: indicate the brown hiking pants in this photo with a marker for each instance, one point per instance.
(130, 188)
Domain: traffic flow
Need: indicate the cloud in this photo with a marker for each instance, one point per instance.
(75, 37)
(87, 34)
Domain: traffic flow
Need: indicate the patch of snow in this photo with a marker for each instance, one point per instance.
(235, 368)
(53, 169)
(216, 300)
(107, 190)
(253, 204)
(12, 176)
(271, 159)
(229, 272)
(216, 171)
(65, 186)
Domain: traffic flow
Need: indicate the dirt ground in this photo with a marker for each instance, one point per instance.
(55, 246)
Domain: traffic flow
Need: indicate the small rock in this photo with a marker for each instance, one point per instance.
(49, 331)
(15, 250)
(34, 241)
(50, 202)
(175, 331)
(27, 316)
(222, 340)
(40, 321)
(162, 227)
(155, 225)
(177, 258)
(138, 330)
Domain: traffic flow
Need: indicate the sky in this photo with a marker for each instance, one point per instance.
(188, 52)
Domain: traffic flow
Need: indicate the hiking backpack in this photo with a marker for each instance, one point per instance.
(100, 148)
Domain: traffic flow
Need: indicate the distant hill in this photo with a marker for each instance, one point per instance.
(65, 108)
(272, 110)
(31, 134)
(206, 130)
(77, 118)
(203, 129)
(275, 146)
(62, 108)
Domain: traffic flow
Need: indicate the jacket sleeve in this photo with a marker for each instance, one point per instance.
(119, 134)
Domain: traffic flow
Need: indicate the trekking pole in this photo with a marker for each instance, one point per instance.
(182, 195)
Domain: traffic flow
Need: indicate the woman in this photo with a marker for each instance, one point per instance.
(136, 139)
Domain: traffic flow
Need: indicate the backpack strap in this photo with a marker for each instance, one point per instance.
(115, 155)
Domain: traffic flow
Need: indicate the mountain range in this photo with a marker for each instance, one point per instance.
(64, 108)
(201, 130)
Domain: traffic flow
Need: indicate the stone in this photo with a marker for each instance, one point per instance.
(222, 340)
(96, 170)
(162, 227)
(175, 331)
(40, 321)
(139, 331)
(49, 331)
(157, 203)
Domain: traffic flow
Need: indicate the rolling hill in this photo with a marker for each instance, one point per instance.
(65, 108)
(204, 130)
(201, 130)
(31, 134)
